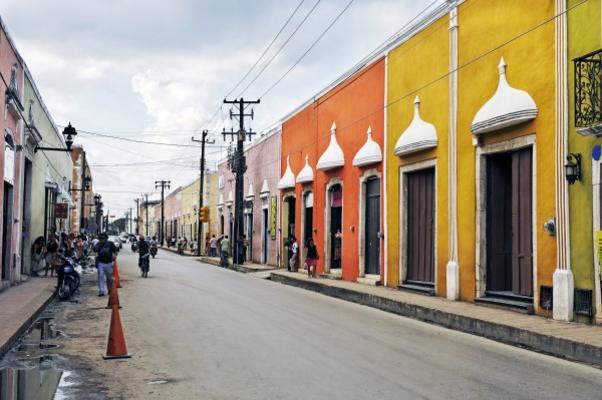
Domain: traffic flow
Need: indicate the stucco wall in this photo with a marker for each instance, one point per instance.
(353, 105)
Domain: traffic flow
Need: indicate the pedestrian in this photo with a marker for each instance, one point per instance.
(225, 246)
(38, 254)
(338, 236)
(213, 245)
(51, 250)
(312, 258)
(106, 253)
(245, 246)
(294, 249)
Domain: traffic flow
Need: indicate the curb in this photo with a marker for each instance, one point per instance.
(234, 267)
(5, 347)
(555, 346)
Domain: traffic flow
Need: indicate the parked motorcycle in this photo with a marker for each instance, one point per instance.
(134, 246)
(71, 280)
(153, 250)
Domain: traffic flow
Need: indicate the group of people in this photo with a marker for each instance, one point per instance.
(182, 243)
(45, 254)
(311, 255)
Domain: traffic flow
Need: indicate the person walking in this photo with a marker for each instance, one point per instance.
(225, 246)
(106, 253)
(51, 250)
(38, 253)
(294, 248)
(312, 258)
(213, 246)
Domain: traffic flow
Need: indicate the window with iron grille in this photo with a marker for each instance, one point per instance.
(588, 93)
(546, 298)
(583, 302)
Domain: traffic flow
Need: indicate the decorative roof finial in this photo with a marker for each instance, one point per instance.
(333, 128)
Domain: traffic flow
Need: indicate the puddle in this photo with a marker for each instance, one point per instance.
(42, 329)
(35, 383)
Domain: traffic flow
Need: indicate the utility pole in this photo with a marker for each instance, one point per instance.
(162, 184)
(82, 187)
(239, 167)
(130, 217)
(137, 217)
(146, 211)
(199, 230)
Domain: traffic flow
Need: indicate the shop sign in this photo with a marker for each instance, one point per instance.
(61, 210)
(273, 215)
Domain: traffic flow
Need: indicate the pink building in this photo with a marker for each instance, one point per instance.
(260, 195)
(11, 123)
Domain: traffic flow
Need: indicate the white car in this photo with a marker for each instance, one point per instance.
(116, 241)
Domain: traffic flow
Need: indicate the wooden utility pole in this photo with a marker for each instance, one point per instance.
(199, 230)
(239, 167)
(162, 184)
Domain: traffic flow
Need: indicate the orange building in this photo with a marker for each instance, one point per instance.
(331, 169)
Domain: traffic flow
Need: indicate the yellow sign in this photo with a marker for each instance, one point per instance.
(273, 216)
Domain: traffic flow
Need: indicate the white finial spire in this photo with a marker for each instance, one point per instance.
(369, 131)
(333, 128)
(501, 67)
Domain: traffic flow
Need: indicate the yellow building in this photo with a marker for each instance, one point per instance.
(189, 207)
(474, 122)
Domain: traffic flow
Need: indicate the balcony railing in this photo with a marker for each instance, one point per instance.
(588, 93)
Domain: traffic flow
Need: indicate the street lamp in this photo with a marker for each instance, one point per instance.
(69, 132)
(572, 168)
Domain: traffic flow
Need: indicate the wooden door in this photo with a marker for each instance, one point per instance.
(420, 227)
(522, 223)
(372, 227)
(499, 222)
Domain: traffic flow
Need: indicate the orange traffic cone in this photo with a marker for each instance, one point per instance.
(113, 297)
(116, 347)
(116, 274)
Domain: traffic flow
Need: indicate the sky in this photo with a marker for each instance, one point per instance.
(158, 71)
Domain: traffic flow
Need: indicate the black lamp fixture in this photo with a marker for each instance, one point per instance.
(572, 168)
(69, 132)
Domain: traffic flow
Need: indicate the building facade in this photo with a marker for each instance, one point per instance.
(82, 194)
(584, 60)
(331, 170)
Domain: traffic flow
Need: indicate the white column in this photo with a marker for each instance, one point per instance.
(452, 269)
(563, 276)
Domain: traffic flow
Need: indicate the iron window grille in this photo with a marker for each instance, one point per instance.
(588, 93)
(583, 302)
(546, 297)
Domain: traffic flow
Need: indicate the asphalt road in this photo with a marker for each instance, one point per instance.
(218, 334)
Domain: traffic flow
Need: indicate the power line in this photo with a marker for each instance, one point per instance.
(309, 49)
(281, 47)
(266, 49)
(136, 140)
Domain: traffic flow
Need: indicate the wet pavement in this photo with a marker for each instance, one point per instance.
(35, 368)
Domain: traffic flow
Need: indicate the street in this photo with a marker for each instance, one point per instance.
(198, 331)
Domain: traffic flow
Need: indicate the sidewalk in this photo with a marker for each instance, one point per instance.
(247, 267)
(175, 251)
(19, 307)
(574, 341)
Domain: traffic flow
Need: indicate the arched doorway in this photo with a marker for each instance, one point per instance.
(334, 229)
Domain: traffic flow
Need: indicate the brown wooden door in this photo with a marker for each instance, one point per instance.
(420, 221)
(522, 221)
(509, 223)
(499, 222)
(372, 227)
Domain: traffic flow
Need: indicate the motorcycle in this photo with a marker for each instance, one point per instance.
(71, 280)
(153, 250)
(134, 247)
(144, 265)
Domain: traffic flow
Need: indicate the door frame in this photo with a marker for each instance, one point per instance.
(596, 215)
(284, 200)
(366, 175)
(304, 192)
(327, 217)
(265, 222)
(482, 152)
(403, 217)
